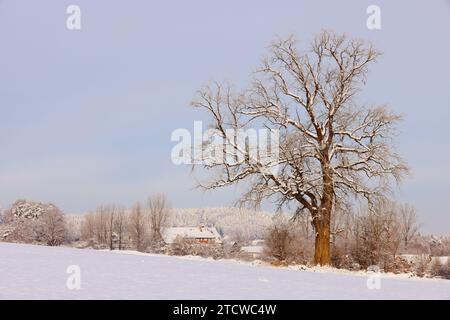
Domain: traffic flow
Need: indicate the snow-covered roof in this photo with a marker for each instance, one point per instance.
(253, 249)
(258, 242)
(170, 234)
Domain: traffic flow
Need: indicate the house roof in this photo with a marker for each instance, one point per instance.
(253, 249)
(170, 234)
(258, 242)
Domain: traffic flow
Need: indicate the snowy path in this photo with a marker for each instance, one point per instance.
(37, 272)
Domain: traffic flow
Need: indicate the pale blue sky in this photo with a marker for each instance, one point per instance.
(86, 116)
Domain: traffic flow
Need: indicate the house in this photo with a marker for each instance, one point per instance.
(200, 234)
(255, 250)
(259, 242)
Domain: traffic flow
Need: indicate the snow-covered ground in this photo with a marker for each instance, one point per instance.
(38, 272)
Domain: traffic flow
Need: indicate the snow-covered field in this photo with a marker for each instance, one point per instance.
(38, 272)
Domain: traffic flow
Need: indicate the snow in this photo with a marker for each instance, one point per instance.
(252, 249)
(258, 242)
(39, 272)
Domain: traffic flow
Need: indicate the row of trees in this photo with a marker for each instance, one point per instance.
(139, 228)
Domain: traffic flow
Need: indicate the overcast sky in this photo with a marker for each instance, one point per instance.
(86, 116)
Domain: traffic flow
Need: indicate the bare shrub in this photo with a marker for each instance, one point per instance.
(341, 259)
(285, 243)
(435, 268)
(376, 236)
(440, 269)
(422, 265)
(277, 241)
(184, 247)
(398, 265)
(343, 239)
(180, 247)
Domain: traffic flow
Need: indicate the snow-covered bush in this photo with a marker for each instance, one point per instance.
(34, 222)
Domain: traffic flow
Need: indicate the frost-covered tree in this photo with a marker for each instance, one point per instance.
(29, 221)
(331, 147)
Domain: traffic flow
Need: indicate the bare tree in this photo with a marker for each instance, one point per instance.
(409, 227)
(120, 226)
(101, 224)
(138, 221)
(51, 226)
(331, 148)
(106, 226)
(377, 235)
(111, 216)
(158, 213)
(88, 227)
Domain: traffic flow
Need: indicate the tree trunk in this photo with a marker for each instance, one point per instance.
(322, 244)
(322, 220)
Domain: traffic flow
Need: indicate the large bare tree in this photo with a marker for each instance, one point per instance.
(331, 147)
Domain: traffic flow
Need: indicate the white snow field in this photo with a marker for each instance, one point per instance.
(38, 272)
